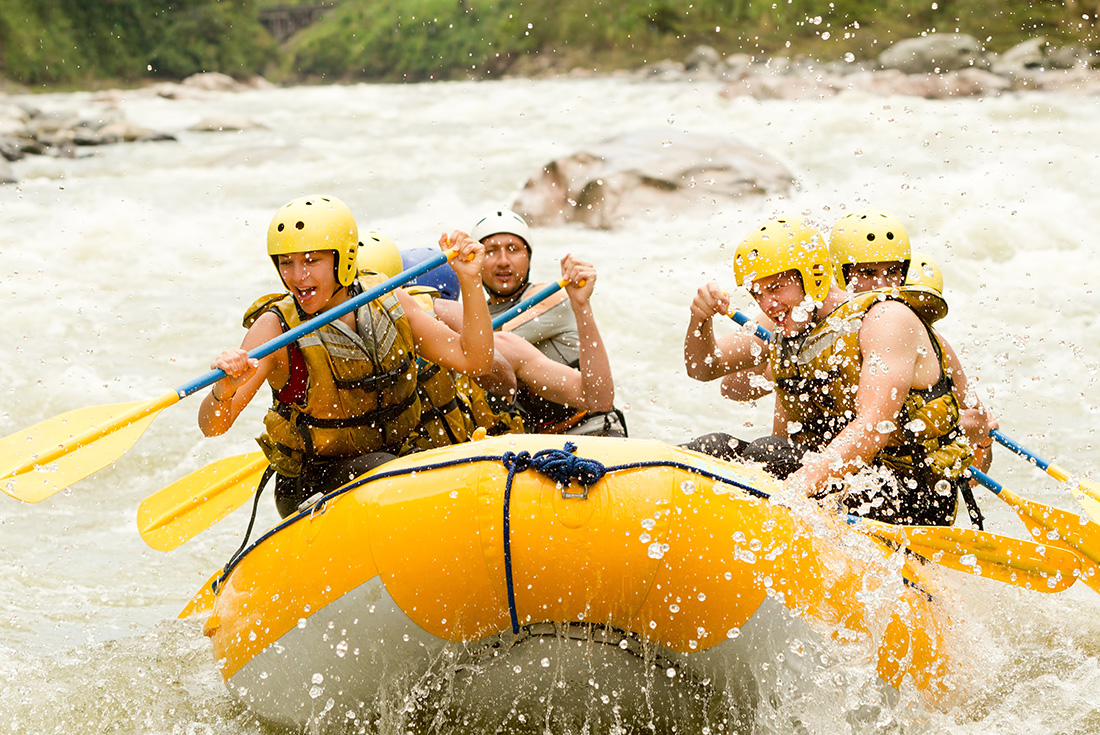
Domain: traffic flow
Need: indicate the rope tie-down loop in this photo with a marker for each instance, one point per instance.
(562, 466)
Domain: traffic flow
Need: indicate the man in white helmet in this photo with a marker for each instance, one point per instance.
(550, 326)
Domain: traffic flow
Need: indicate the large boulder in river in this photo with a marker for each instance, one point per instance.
(604, 184)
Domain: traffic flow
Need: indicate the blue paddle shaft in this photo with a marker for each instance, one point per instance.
(318, 321)
(506, 316)
(759, 331)
(1022, 451)
(986, 480)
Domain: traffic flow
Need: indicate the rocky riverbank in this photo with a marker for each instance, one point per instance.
(937, 66)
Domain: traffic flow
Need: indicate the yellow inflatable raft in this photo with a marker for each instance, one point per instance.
(607, 580)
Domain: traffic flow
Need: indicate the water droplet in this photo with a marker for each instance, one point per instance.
(342, 649)
(943, 487)
(670, 673)
(885, 427)
(657, 550)
(315, 692)
(702, 597)
(517, 669)
(649, 524)
(317, 678)
(545, 663)
(674, 608)
(645, 538)
(688, 487)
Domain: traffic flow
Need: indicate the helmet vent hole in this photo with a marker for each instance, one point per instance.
(870, 236)
(299, 225)
(281, 227)
(889, 235)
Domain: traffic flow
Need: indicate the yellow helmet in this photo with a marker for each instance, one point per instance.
(867, 236)
(925, 271)
(379, 253)
(316, 223)
(782, 245)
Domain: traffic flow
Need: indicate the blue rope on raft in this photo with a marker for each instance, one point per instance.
(560, 465)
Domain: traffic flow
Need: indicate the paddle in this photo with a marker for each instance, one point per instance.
(1087, 492)
(187, 507)
(49, 456)
(506, 316)
(1022, 563)
(175, 514)
(1054, 526)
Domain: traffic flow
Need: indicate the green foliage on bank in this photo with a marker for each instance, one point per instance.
(80, 41)
(431, 39)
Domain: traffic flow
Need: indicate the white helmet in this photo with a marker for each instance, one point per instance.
(502, 221)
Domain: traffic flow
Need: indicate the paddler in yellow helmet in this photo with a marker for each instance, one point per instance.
(345, 394)
(870, 250)
(860, 381)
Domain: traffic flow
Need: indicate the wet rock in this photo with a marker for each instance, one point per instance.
(212, 82)
(627, 176)
(1026, 55)
(703, 57)
(124, 131)
(935, 53)
(224, 123)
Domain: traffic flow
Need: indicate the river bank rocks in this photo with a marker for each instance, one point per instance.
(936, 66)
(28, 130)
(622, 177)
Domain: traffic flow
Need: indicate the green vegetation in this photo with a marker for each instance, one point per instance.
(87, 41)
(79, 42)
(431, 39)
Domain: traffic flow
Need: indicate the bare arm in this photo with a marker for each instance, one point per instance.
(748, 384)
(891, 339)
(707, 357)
(229, 396)
(975, 421)
(469, 351)
(590, 386)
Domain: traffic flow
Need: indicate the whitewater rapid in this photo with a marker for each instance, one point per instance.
(122, 274)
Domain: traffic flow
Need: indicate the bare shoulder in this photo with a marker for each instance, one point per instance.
(266, 327)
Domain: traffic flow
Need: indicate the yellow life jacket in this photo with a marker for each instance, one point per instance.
(817, 380)
(453, 405)
(360, 385)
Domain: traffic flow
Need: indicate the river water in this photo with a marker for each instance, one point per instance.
(122, 274)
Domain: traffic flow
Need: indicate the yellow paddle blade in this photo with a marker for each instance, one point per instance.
(203, 601)
(1063, 529)
(1043, 568)
(1088, 495)
(189, 506)
(48, 457)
